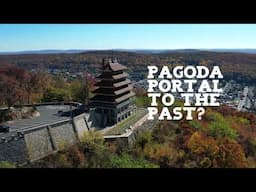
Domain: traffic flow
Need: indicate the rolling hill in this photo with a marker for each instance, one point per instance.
(234, 65)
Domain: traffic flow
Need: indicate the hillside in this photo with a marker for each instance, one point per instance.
(223, 139)
(235, 65)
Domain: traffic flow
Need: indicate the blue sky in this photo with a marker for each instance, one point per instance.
(18, 37)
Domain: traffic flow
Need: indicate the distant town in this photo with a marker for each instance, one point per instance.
(237, 95)
(240, 96)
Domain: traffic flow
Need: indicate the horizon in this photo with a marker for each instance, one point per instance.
(121, 49)
(35, 37)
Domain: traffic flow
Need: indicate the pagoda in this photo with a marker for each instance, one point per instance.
(113, 98)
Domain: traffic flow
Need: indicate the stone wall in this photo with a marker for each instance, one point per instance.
(37, 142)
(81, 125)
(13, 151)
(129, 138)
(118, 139)
(63, 135)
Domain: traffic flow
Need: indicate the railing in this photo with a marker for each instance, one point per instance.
(54, 124)
(76, 104)
(125, 111)
(19, 133)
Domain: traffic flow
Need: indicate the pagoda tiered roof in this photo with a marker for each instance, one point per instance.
(112, 87)
(105, 85)
(125, 97)
(117, 67)
(122, 83)
(113, 77)
(104, 91)
(103, 99)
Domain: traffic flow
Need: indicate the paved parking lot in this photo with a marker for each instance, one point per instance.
(48, 114)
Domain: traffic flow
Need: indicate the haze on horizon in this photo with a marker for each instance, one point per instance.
(22, 37)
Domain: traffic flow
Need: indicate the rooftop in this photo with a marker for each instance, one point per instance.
(116, 67)
(112, 65)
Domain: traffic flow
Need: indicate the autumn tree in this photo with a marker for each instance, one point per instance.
(9, 90)
(35, 82)
(140, 92)
(222, 152)
(20, 75)
(203, 149)
(231, 154)
(164, 155)
(81, 89)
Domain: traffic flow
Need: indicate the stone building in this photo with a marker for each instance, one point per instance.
(114, 99)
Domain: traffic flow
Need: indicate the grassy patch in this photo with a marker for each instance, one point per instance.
(5, 164)
(125, 124)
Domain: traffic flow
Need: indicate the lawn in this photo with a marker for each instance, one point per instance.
(125, 124)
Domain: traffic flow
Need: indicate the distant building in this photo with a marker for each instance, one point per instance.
(113, 100)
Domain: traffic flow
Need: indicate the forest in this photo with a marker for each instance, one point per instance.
(19, 86)
(224, 138)
(240, 66)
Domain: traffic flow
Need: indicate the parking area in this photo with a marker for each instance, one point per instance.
(48, 114)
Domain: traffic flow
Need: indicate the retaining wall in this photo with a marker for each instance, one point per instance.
(37, 142)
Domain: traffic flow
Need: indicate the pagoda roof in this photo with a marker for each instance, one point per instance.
(115, 85)
(120, 91)
(112, 87)
(119, 84)
(108, 104)
(99, 91)
(113, 77)
(120, 76)
(117, 67)
(103, 99)
(124, 97)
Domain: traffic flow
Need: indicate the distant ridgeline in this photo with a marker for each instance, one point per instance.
(237, 66)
